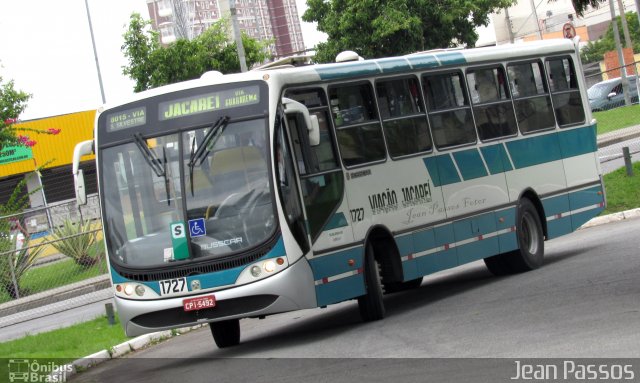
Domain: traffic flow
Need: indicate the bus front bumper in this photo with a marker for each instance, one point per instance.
(292, 289)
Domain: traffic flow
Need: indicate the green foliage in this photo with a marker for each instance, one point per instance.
(623, 192)
(581, 5)
(375, 28)
(76, 241)
(152, 65)
(12, 103)
(595, 50)
(617, 118)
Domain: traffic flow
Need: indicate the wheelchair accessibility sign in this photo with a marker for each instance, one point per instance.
(197, 227)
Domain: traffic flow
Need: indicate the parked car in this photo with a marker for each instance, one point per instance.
(608, 94)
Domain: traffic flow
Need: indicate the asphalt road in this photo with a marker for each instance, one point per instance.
(583, 303)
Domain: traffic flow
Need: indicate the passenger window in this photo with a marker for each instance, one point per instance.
(565, 94)
(357, 126)
(492, 106)
(321, 178)
(448, 110)
(403, 118)
(531, 98)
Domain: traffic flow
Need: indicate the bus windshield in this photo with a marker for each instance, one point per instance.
(166, 200)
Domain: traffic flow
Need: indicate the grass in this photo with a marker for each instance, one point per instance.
(623, 192)
(618, 118)
(66, 344)
(55, 275)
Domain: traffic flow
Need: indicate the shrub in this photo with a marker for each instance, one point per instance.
(21, 261)
(77, 242)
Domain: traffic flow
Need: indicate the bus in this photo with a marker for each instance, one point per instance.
(296, 187)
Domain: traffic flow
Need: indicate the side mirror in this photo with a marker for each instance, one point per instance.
(81, 149)
(313, 127)
(81, 193)
(610, 95)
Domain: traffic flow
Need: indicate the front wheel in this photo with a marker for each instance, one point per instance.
(226, 333)
(371, 304)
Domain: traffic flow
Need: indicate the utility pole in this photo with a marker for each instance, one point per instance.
(508, 20)
(237, 36)
(535, 15)
(95, 52)
(616, 35)
(625, 27)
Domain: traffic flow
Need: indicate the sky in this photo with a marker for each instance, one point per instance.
(46, 49)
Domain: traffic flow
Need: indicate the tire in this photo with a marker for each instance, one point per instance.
(394, 287)
(530, 252)
(226, 333)
(371, 304)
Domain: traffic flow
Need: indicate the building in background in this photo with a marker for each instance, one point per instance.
(54, 154)
(530, 20)
(275, 20)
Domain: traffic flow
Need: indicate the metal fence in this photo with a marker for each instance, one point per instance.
(50, 256)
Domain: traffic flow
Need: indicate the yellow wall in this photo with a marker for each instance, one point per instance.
(74, 128)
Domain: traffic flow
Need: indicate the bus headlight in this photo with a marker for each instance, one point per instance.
(134, 290)
(262, 269)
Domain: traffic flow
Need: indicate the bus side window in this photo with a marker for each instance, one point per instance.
(492, 107)
(531, 97)
(403, 117)
(321, 177)
(448, 109)
(358, 129)
(565, 93)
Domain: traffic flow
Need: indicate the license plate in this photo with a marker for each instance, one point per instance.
(173, 286)
(199, 303)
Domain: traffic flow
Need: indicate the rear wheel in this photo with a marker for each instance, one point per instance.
(226, 333)
(530, 252)
(371, 304)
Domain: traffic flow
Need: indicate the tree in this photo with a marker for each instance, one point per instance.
(594, 50)
(152, 65)
(581, 5)
(12, 103)
(375, 28)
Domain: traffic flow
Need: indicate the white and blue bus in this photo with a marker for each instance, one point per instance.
(245, 195)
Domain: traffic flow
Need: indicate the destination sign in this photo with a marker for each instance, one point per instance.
(209, 102)
(126, 119)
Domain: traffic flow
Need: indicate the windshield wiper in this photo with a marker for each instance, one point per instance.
(206, 145)
(159, 167)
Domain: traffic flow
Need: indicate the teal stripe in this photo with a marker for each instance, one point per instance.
(442, 170)
(535, 150)
(340, 290)
(423, 61)
(336, 263)
(392, 65)
(340, 71)
(451, 58)
(338, 220)
(470, 164)
(579, 141)
(496, 158)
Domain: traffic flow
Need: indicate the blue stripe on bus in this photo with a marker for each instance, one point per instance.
(340, 290)
(584, 199)
(506, 219)
(535, 150)
(472, 228)
(442, 170)
(579, 141)
(393, 65)
(426, 61)
(334, 264)
(451, 58)
(338, 220)
(552, 207)
(470, 164)
(358, 68)
(496, 158)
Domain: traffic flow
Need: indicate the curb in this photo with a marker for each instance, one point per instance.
(606, 141)
(117, 351)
